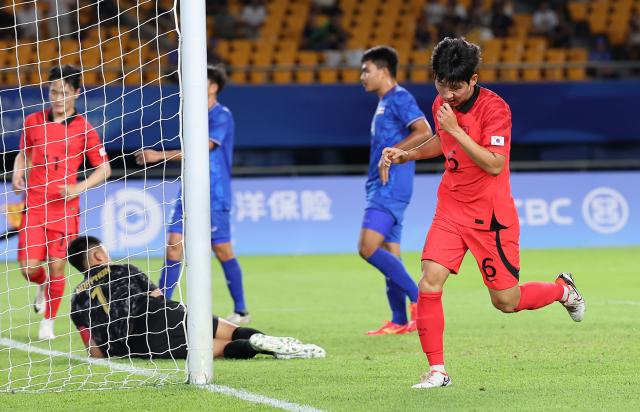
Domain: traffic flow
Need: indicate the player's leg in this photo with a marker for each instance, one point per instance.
(498, 256)
(376, 226)
(32, 252)
(221, 245)
(55, 285)
(397, 298)
(233, 342)
(170, 275)
(443, 253)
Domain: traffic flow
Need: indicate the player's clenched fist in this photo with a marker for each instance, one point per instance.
(447, 118)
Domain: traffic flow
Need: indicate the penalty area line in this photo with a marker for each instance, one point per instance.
(221, 389)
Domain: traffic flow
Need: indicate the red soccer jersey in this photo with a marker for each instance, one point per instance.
(56, 151)
(467, 194)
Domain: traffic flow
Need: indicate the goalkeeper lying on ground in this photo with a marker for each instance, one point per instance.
(120, 312)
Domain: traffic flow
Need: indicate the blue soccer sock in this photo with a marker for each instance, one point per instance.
(169, 277)
(393, 269)
(233, 273)
(397, 303)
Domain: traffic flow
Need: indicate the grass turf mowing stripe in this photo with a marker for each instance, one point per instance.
(225, 390)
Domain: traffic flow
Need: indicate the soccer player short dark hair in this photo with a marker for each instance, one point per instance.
(218, 75)
(382, 56)
(455, 60)
(78, 251)
(68, 73)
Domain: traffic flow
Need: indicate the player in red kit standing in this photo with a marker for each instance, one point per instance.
(53, 146)
(475, 209)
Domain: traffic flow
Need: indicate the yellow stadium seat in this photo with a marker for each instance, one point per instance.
(578, 10)
(308, 59)
(328, 75)
(487, 75)
(350, 75)
(555, 56)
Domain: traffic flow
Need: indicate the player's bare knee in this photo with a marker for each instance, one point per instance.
(428, 284)
(223, 251)
(29, 271)
(365, 249)
(174, 251)
(505, 306)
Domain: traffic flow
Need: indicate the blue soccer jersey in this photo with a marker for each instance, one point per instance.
(396, 111)
(221, 132)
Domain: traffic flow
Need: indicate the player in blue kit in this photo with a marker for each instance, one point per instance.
(397, 120)
(221, 135)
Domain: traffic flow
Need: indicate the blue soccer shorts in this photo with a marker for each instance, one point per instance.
(220, 223)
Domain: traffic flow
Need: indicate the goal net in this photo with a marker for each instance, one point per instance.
(129, 93)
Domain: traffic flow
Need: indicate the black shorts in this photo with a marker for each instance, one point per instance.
(162, 332)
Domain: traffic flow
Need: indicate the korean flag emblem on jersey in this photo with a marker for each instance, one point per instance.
(497, 140)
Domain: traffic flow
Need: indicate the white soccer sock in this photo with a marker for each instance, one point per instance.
(438, 368)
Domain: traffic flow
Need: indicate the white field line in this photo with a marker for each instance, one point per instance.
(225, 390)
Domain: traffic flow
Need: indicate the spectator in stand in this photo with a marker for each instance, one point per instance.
(253, 15)
(434, 12)
(336, 40)
(545, 20)
(449, 28)
(456, 11)
(563, 33)
(601, 54)
(501, 18)
(327, 7)
(26, 20)
(422, 38)
(224, 22)
(633, 39)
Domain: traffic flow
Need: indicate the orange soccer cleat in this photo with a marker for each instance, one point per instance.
(412, 326)
(389, 328)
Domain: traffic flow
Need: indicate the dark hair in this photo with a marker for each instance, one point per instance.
(78, 251)
(68, 73)
(455, 60)
(218, 75)
(382, 56)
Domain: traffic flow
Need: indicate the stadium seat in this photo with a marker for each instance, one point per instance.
(309, 59)
(350, 75)
(327, 75)
(555, 56)
(578, 10)
(577, 56)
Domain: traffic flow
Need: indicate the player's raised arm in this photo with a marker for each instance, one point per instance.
(490, 162)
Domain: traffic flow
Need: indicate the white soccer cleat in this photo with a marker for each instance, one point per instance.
(308, 351)
(38, 303)
(433, 379)
(275, 344)
(46, 330)
(238, 319)
(574, 303)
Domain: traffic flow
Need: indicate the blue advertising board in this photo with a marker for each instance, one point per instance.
(330, 115)
(323, 214)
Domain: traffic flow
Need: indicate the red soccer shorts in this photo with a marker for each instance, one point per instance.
(36, 242)
(497, 252)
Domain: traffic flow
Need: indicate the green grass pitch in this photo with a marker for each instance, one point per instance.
(538, 360)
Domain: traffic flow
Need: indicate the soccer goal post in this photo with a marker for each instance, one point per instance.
(193, 63)
(88, 90)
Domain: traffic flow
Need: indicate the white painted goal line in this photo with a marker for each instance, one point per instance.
(222, 389)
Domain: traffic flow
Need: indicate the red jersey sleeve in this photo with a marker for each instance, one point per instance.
(94, 149)
(496, 128)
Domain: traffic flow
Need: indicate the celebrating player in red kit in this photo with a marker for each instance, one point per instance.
(53, 146)
(475, 209)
